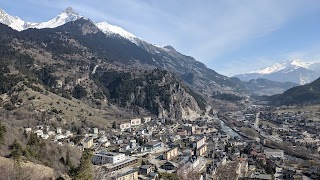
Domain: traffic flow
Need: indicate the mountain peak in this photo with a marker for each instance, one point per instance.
(11, 21)
(66, 16)
(299, 63)
(70, 11)
(2, 12)
(169, 48)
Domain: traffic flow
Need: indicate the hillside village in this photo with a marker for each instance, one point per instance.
(150, 148)
(87, 100)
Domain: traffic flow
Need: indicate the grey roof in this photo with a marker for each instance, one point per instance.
(145, 166)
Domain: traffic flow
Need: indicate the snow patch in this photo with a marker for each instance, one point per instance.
(290, 65)
(111, 29)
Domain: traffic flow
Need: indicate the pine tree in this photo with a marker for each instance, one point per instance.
(85, 169)
(68, 161)
(16, 151)
(2, 132)
(114, 125)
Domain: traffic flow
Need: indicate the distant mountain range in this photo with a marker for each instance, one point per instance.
(71, 47)
(295, 71)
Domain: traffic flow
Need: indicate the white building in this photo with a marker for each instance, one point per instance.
(146, 119)
(39, 132)
(44, 136)
(69, 134)
(107, 157)
(51, 133)
(125, 126)
(60, 136)
(135, 122)
(59, 130)
(28, 129)
(276, 153)
(106, 144)
(95, 130)
(102, 139)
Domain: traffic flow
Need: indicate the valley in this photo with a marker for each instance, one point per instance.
(89, 100)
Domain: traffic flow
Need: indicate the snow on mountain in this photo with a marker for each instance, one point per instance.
(13, 22)
(289, 65)
(16, 23)
(111, 29)
(66, 16)
(296, 71)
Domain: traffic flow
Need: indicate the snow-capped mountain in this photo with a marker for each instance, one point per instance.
(16, 23)
(66, 16)
(296, 71)
(13, 22)
(290, 65)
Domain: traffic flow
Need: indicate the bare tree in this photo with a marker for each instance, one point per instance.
(188, 173)
(15, 171)
(100, 173)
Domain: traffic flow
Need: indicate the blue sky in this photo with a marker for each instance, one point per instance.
(229, 36)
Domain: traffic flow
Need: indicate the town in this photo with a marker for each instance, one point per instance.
(256, 143)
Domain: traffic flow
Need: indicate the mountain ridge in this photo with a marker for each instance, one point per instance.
(67, 15)
(133, 51)
(296, 71)
(300, 95)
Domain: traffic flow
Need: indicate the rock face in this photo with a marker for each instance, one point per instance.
(157, 91)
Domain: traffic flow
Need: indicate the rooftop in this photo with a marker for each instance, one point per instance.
(104, 153)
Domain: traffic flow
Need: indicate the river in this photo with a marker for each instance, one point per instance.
(228, 130)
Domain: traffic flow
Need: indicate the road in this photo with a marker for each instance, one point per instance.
(256, 123)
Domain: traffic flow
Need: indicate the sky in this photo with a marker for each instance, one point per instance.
(229, 36)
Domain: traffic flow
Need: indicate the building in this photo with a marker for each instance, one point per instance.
(130, 174)
(146, 119)
(146, 169)
(190, 128)
(59, 130)
(28, 129)
(95, 130)
(107, 157)
(172, 153)
(87, 142)
(125, 126)
(202, 150)
(111, 167)
(276, 153)
(153, 145)
(182, 132)
(200, 146)
(135, 122)
(169, 166)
